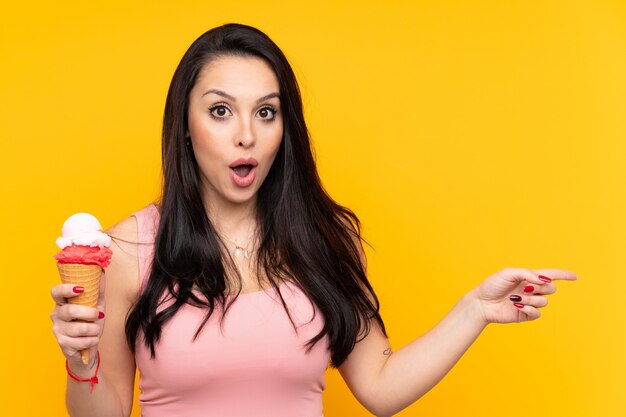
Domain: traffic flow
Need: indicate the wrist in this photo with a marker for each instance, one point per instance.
(76, 367)
(474, 309)
(92, 380)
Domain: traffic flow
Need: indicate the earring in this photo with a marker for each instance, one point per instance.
(188, 141)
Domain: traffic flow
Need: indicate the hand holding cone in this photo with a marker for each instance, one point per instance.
(88, 277)
(85, 253)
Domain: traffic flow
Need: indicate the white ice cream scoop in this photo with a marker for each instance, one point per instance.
(82, 229)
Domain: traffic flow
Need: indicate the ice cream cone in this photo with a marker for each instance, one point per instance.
(87, 276)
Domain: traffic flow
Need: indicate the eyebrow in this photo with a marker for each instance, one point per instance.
(228, 96)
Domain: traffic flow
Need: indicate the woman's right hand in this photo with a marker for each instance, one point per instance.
(77, 327)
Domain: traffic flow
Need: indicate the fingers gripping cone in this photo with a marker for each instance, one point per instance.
(87, 276)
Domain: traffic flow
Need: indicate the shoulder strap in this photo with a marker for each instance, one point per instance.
(147, 226)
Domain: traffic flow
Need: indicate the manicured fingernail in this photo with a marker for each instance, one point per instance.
(518, 305)
(529, 288)
(544, 278)
(100, 315)
(515, 298)
(78, 290)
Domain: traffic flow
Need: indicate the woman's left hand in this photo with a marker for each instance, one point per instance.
(515, 295)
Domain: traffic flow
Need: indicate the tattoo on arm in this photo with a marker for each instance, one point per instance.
(387, 352)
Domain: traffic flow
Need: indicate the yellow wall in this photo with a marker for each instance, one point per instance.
(468, 136)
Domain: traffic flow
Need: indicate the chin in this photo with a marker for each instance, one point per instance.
(242, 197)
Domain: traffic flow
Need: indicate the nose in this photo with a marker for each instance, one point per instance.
(245, 137)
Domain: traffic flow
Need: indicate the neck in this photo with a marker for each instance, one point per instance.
(237, 221)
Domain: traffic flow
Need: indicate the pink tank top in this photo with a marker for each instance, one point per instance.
(255, 365)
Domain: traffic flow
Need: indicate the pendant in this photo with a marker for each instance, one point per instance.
(239, 250)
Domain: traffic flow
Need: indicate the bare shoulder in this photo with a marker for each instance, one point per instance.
(125, 229)
(123, 273)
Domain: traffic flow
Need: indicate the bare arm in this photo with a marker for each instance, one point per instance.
(386, 383)
(113, 395)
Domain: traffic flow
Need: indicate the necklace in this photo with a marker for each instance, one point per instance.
(239, 250)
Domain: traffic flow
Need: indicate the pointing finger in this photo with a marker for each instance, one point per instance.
(557, 274)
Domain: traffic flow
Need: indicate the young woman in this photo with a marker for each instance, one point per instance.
(233, 294)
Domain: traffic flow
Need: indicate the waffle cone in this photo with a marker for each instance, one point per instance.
(87, 276)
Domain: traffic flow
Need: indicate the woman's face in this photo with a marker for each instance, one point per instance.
(236, 126)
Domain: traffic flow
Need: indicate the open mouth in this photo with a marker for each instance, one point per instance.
(243, 170)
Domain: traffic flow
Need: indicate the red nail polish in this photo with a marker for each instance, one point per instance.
(518, 305)
(100, 315)
(544, 278)
(529, 288)
(515, 297)
(78, 290)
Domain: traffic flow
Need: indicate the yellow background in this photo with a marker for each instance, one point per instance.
(467, 135)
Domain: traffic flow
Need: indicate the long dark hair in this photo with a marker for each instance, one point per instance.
(304, 235)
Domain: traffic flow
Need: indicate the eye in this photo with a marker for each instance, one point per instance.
(267, 113)
(219, 111)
